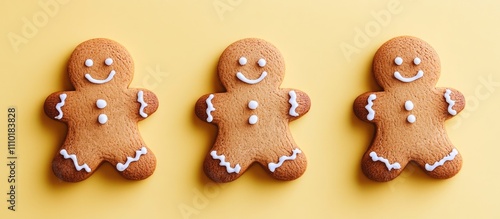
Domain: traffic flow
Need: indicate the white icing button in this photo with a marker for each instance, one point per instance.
(262, 62)
(417, 61)
(253, 104)
(398, 60)
(408, 105)
(411, 118)
(102, 118)
(243, 61)
(89, 62)
(253, 119)
(108, 61)
(101, 103)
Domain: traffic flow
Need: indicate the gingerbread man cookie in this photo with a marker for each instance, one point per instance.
(253, 115)
(409, 114)
(102, 114)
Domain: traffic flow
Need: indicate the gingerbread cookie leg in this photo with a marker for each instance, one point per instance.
(381, 167)
(221, 165)
(288, 165)
(443, 164)
(136, 165)
(72, 166)
(381, 164)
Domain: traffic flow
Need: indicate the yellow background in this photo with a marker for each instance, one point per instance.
(176, 45)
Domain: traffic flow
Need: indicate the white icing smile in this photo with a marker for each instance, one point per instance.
(398, 76)
(97, 81)
(250, 81)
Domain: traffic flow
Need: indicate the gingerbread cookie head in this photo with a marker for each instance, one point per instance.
(101, 62)
(251, 62)
(406, 60)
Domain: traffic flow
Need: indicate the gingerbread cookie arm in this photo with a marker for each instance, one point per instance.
(148, 102)
(55, 105)
(205, 109)
(299, 103)
(454, 101)
(364, 106)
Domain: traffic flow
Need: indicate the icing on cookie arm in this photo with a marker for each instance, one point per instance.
(455, 101)
(55, 105)
(59, 106)
(299, 103)
(364, 107)
(148, 103)
(205, 108)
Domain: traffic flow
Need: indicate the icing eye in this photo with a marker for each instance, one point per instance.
(89, 63)
(108, 61)
(262, 62)
(243, 61)
(398, 60)
(417, 61)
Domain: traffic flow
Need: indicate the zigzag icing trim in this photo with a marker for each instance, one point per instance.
(441, 162)
(293, 101)
(371, 112)
(140, 99)
(210, 108)
(272, 166)
(121, 167)
(59, 105)
(389, 166)
(450, 102)
(223, 162)
(75, 161)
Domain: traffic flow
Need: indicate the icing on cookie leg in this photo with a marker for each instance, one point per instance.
(441, 162)
(293, 101)
(75, 161)
(140, 99)
(210, 108)
(272, 166)
(223, 162)
(371, 112)
(59, 105)
(389, 166)
(122, 167)
(450, 102)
